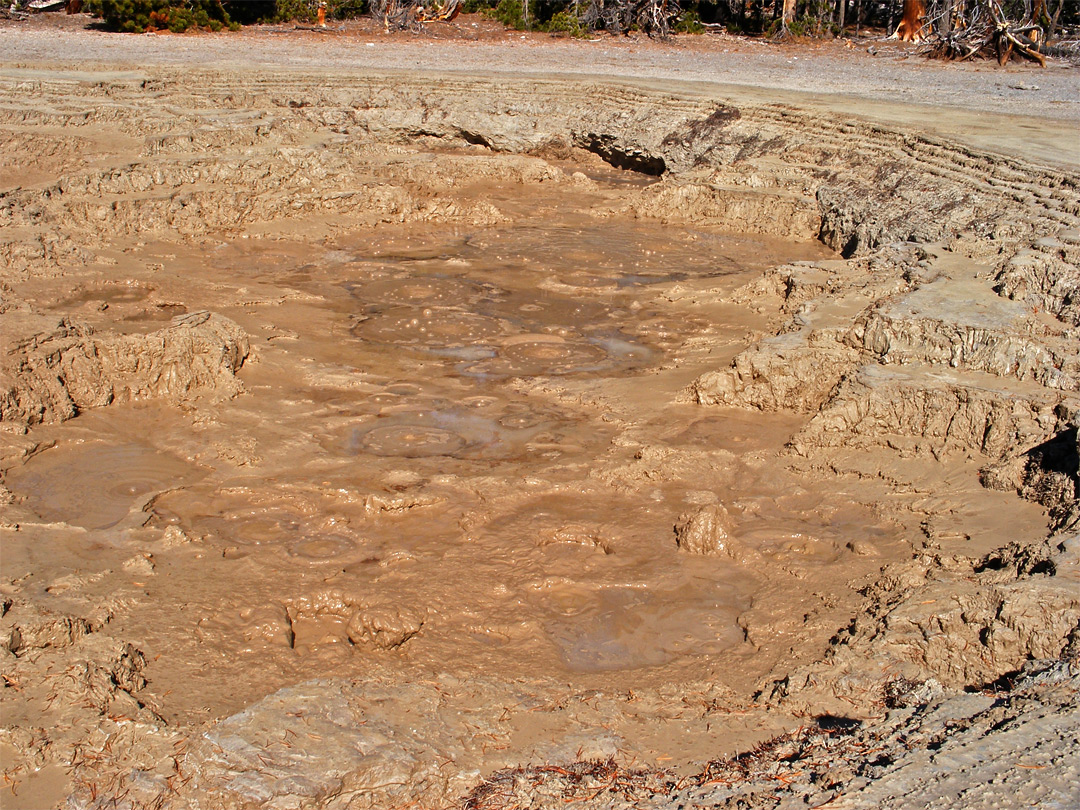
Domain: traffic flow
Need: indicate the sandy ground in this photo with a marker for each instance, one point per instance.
(350, 320)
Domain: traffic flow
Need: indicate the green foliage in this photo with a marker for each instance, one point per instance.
(308, 10)
(689, 23)
(136, 16)
(477, 6)
(566, 22)
(251, 11)
(809, 26)
(298, 10)
(510, 13)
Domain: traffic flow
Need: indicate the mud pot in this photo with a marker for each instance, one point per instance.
(366, 447)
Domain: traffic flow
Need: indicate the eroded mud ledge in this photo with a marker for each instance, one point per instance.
(884, 439)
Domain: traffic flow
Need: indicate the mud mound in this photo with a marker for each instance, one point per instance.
(54, 373)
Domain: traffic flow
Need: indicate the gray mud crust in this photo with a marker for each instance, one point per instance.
(926, 367)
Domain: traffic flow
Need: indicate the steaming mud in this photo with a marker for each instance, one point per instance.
(430, 459)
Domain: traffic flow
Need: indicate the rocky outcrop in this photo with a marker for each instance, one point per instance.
(929, 749)
(51, 374)
(192, 196)
(762, 168)
(746, 210)
(708, 531)
(618, 154)
(861, 215)
(789, 287)
(910, 352)
(26, 627)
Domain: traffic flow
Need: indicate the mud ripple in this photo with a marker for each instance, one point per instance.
(465, 431)
(251, 517)
(325, 548)
(544, 354)
(105, 295)
(622, 628)
(410, 441)
(96, 486)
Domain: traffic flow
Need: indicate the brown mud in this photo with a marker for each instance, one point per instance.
(367, 441)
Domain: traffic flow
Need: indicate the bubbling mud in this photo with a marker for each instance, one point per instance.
(410, 441)
(422, 291)
(461, 398)
(434, 327)
(534, 356)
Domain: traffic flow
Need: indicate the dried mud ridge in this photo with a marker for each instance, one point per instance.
(936, 359)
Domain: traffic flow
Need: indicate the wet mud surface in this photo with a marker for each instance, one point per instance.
(362, 449)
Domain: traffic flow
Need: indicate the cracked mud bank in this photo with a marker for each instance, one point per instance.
(401, 440)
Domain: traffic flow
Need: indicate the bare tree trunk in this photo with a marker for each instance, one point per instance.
(842, 12)
(910, 28)
(1038, 12)
(1054, 21)
(789, 14)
